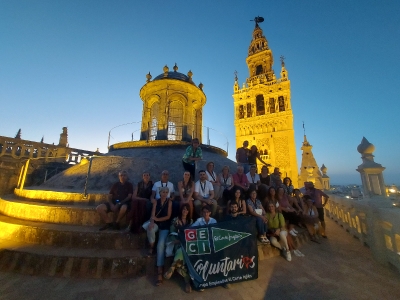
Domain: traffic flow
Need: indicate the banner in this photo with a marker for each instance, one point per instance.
(221, 253)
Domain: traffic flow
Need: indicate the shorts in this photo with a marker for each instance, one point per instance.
(128, 204)
(321, 214)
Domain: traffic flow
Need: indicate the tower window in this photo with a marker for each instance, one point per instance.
(259, 70)
(153, 123)
(281, 101)
(260, 105)
(271, 105)
(241, 112)
(249, 110)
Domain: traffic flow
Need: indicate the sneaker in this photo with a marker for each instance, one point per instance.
(295, 231)
(106, 226)
(292, 232)
(288, 256)
(296, 252)
(301, 254)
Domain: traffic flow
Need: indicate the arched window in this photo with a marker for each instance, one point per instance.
(153, 121)
(260, 107)
(259, 70)
(281, 101)
(175, 121)
(271, 105)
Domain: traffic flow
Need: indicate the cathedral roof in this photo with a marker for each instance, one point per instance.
(174, 75)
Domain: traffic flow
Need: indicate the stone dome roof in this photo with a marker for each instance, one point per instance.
(174, 75)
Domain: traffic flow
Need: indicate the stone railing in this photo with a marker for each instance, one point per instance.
(23, 149)
(374, 221)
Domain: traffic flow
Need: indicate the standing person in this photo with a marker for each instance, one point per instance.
(186, 191)
(119, 202)
(141, 204)
(316, 195)
(213, 178)
(242, 154)
(192, 154)
(160, 221)
(204, 194)
(226, 181)
(253, 155)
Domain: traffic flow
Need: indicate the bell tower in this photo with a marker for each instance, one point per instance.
(263, 112)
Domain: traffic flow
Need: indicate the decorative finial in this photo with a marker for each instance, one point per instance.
(258, 20)
(148, 76)
(236, 78)
(190, 74)
(18, 135)
(175, 68)
(282, 61)
(201, 86)
(42, 140)
(304, 129)
(165, 69)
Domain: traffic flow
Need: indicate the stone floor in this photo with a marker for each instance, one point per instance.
(339, 268)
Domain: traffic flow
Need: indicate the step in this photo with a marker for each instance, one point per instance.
(74, 214)
(73, 262)
(62, 235)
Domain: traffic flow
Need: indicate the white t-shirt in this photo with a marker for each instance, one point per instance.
(254, 179)
(201, 222)
(203, 188)
(157, 186)
(210, 176)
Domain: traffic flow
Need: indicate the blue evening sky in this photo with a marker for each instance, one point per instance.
(81, 64)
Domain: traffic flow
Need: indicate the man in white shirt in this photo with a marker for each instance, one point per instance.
(204, 194)
(155, 195)
(253, 177)
(206, 219)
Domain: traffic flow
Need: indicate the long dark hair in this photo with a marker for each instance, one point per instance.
(185, 205)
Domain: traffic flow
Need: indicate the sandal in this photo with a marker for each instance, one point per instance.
(159, 279)
(169, 273)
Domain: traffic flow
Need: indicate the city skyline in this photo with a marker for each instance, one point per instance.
(82, 64)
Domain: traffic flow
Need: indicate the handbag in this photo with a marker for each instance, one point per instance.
(147, 223)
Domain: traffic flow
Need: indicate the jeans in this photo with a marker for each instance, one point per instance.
(262, 227)
(246, 167)
(162, 237)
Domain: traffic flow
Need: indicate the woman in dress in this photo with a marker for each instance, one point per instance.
(186, 189)
(180, 223)
(192, 154)
(226, 181)
(213, 178)
(160, 221)
(141, 204)
(240, 201)
(255, 208)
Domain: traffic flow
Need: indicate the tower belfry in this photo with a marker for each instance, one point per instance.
(263, 113)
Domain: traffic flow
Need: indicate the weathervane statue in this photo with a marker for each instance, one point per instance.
(258, 20)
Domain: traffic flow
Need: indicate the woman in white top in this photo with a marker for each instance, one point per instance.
(213, 178)
(226, 181)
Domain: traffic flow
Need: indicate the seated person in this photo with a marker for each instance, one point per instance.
(205, 219)
(141, 204)
(180, 223)
(226, 181)
(240, 180)
(253, 178)
(213, 178)
(277, 230)
(242, 209)
(155, 195)
(310, 218)
(119, 201)
(186, 191)
(204, 194)
(160, 221)
(233, 211)
(255, 208)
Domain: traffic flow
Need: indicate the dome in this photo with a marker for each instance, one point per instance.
(174, 75)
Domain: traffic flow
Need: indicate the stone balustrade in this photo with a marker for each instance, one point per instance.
(374, 221)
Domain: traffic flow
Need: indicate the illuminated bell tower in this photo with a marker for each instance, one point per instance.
(263, 112)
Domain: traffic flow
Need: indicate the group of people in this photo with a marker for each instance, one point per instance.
(157, 208)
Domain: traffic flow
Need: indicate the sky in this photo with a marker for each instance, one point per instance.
(81, 64)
